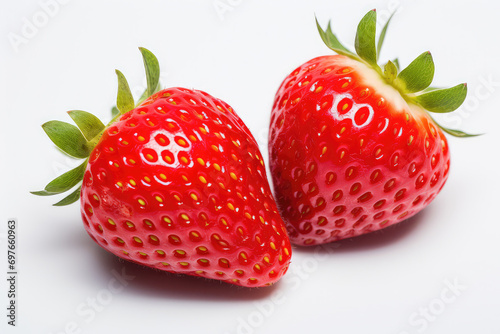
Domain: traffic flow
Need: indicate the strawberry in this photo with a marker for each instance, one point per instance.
(176, 183)
(353, 148)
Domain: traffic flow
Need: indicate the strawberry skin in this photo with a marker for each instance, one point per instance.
(348, 155)
(179, 184)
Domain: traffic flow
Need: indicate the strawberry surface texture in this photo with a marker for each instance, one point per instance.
(352, 147)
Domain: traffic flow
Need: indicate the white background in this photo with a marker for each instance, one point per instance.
(379, 283)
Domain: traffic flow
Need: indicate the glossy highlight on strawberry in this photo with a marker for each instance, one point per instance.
(177, 183)
(352, 148)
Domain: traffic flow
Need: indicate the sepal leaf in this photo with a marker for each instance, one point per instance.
(124, 100)
(332, 41)
(365, 38)
(418, 75)
(390, 71)
(382, 35)
(89, 125)
(68, 138)
(71, 198)
(443, 100)
(152, 68)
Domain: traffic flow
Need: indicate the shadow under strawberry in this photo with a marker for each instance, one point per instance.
(153, 283)
(370, 241)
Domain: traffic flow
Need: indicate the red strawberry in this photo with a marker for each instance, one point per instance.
(176, 183)
(352, 147)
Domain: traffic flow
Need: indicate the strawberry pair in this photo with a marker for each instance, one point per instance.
(176, 180)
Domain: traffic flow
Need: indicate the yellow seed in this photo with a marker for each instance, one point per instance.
(257, 267)
(230, 206)
(119, 184)
(345, 106)
(149, 157)
(239, 272)
(111, 222)
(129, 224)
(199, 272)
(248, 215)
(168, 158)
(132, 182)
(222, 185)
(165, 264)
(217, 167)
(323, 151)
(266, 259)
(287, 252)
(140, 138)
(215, 148)
(141, 201)
(163, 176)
(181, 142)
(192, 138)
(243, 255)
(319, 89)
(184, 216)
(202, 130)
(180, 252)
(167, 220)
(184, 264)
(100, 228)
(184, 177)
(273, 246)
(202, 179)
(184, 160)
(147, 179)
(223, 221)
(262, 219)
(95, 197)
(116, 165)
(202, 248)
(136, 239)
(200, 161)
(160, 252)
(125, 252)
(193, 196)
(233, 176)
(143, 254)
(159, 199)
(125, 142)
(120, 240)
(342, 130)
(345, 84)
(204, 261)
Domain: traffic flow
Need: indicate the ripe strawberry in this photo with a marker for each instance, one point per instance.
(352, 147)
(176, 183)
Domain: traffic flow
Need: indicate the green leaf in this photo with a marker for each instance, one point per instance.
(68, 138)
(67, 180)
(124, 100)
(152, 68)
(458, 133)
(114, 111)
(390, 71)
(88, 124)
(453, 132)
(443, 100)
(396, 62)
(382, 35)
(71, 198)
(418, 75)
(42, 193)
(332, 41)
(365, 38)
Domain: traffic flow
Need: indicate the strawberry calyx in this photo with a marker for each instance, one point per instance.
(413, 82)
(79, 141)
